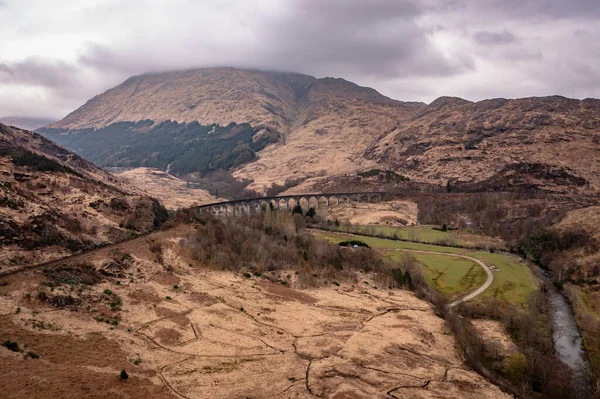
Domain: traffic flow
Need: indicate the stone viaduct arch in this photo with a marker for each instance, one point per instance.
(251, 206)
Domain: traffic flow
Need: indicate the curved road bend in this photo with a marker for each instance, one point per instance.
(483, 287)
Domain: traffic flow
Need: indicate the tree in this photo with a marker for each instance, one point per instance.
(297, 210)
(515, 368)
(408, 280)
(398, 277)
(312, 213)
(444, 227)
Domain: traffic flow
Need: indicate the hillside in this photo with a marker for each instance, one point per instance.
(222, 118)
(548, 142)
(54, 203)
(171, 191)
(183, 325)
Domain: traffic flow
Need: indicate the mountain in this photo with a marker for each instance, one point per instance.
(54, 203)
(222, 118)
(25, 122)
(269, 127)
(544, 142)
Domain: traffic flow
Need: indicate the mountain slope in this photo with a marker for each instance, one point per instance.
(545, 142)
(54, 203)
(337, 121)
(271, 126)
(207, 96)
(297, 123)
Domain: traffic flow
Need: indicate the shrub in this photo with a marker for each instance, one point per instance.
(515, 368)
(156, 248)
(472, 144)
(369, 173)
(297, 210)
(108, 292)
(12, 204)
(273, 241)
(123, 376)
(33, 355)
(10, 345)
(352, 243)
(40, 162)
(275, 188)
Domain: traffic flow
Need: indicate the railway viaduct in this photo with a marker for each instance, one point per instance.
(253, 205)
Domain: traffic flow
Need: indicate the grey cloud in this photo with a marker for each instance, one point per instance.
(380, 38)
(341, 38)
(537, 9)
(39, 72)
(487, 38)
(410, 50)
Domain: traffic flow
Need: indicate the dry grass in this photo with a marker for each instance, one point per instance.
(172, 191)
(209, 334)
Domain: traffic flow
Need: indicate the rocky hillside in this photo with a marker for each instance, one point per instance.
(548, 142)
(223, 118)
(54, 203)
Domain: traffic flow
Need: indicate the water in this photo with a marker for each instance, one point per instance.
(567, 340)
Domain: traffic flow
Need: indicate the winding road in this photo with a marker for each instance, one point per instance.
(482, 288)
(478, 291)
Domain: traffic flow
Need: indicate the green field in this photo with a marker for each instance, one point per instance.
(452, 276)
(513, 280)
(383, 243)
(414, 233)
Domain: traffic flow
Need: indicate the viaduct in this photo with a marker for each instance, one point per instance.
(253, 205)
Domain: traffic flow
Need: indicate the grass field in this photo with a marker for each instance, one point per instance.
(513, 280)
(415, 233)
(452, 276)
(383, 243)
(429, 234)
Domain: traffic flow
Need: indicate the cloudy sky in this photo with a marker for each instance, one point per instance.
(56, 54)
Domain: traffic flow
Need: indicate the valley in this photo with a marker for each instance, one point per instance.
(430, 289)
(180, 325)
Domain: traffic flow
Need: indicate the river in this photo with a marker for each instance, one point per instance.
(567, 340)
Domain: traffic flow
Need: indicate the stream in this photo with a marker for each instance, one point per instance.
(567, 340)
